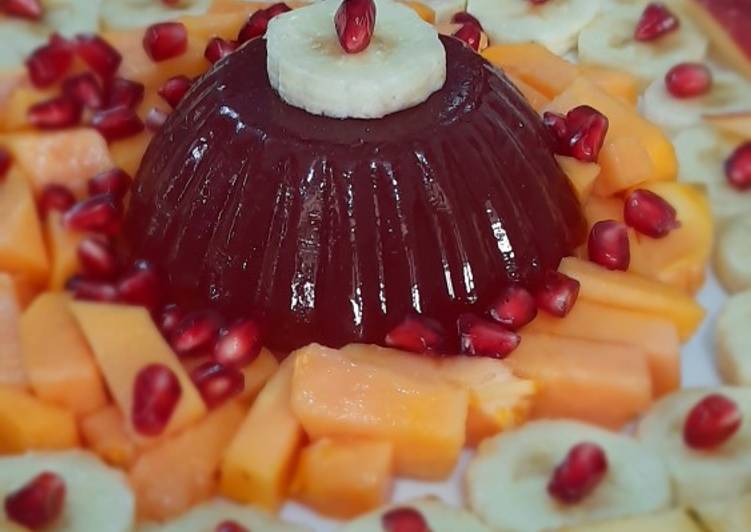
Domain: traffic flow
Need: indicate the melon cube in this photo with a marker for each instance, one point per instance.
(12, 371)
(258, 372)
(536, 99)
(618, 83)
(582, 175)
(62, 245)
(105, 434)
(128, 153)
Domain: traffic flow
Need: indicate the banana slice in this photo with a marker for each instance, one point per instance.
(439, 517)
(609, 41)
(730, 93)
(733, 340)
(69, 17)
(733, 256)
(129, 14)
(555, 25)
(308, 68)
(445, 9)
(507, 479)
(19, 38)
(206, 517)
(97, 498)
(700, 476)
(725, 516)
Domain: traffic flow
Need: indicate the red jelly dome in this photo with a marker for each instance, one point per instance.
(333, 231)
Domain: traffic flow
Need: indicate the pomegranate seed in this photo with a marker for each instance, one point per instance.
(579, 474)
(97, 258)
(239, 344)
(174, 89)
(688, 80)
(587, 128)
(277, 9)
(124, 93)
(649, 214)
(259, 21)
(155, 119)
(355, 22)
(55, 197)
(470, 34)
(478, 337)
(558, 294)
(5, 162)
(556, 124)
(30, 9)
(84, 89)
(141, 286)
(404, 519)
(171, 3)
(115, 182)
(711, 422)
(49, 63)
(169, 318)
(416, 334)
(608, 245)
(738, 167)
(92, 290)
(538, 2)
(218, 48)
(156, 392)
(98, 214)
(217, 383)
(462, 17)
(230, 526)
(98, 54)
(57, 113)
(117, 123)
(38, 503)
(196, 331)
(165, 40)
(656, 20)
(514, 308)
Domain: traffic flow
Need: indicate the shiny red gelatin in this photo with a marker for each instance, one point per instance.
(335, 231)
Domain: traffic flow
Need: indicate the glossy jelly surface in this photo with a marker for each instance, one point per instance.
(334, 230)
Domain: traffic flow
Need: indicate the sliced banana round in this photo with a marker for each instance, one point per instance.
(445, 9)
(439, 516)
(309, 69)
(129, 14)
(609, 40)
(733, 257)
(725, 516)
(555, 25)
(730, 93)
(205, 518)
(733, 339)
(507, 480)
(19, 38)
(69, 17)
(700, 476)
(97, 497)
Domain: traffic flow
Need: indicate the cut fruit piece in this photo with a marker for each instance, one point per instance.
(732, 515)
(387, 401)
(27, 423)
(127, 153)
(21, 243)
(124, 340)
(582, 175)
(536, 99)
(733, 341)
(615, 82)
(97, 497)
(15, 105)
(738, 124)
(657, 337)
(202, 28)
(668, 521)
(181, 471)
(62, 244)
(733, 257)
(104, 433)
(423, 10)
(258, 372)
(344, 478)
(634, 292)
(259, 461)
(26, 289)
(599, 382)
(58, 361)
(67, 158)
(12, 371)
(623, 161)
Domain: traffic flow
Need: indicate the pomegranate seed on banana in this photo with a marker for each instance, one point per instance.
(131, 14)
(700, 475)
(733, 343)
(97, 497)
(733, 259)
(555, 25)
(609, 40)
(309, 69)
(507, 481)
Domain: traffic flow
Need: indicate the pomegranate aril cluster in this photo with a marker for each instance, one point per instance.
(37, 504)
(579, 134)
(579, 474)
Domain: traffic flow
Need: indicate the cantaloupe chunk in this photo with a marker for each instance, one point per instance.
(26, 289)
(618, 83)
(258, 464)
(653, 335)
(182, 471)
(582, 175)
(536, 99)
(62, 245)
(344, 478)
(28, 423)
(128, 153)
(624, 162)
(633, 292)
(12, 372)
(21, 243)
(624, 121)
(14, 114)
(258, 373)
(219, 7)
(67, 157)
(597, 382)
(124, 340)
(385, 401)
(104, 433)
(58, 361)
(202, 28)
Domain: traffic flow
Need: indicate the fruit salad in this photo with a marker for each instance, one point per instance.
(375, 265)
